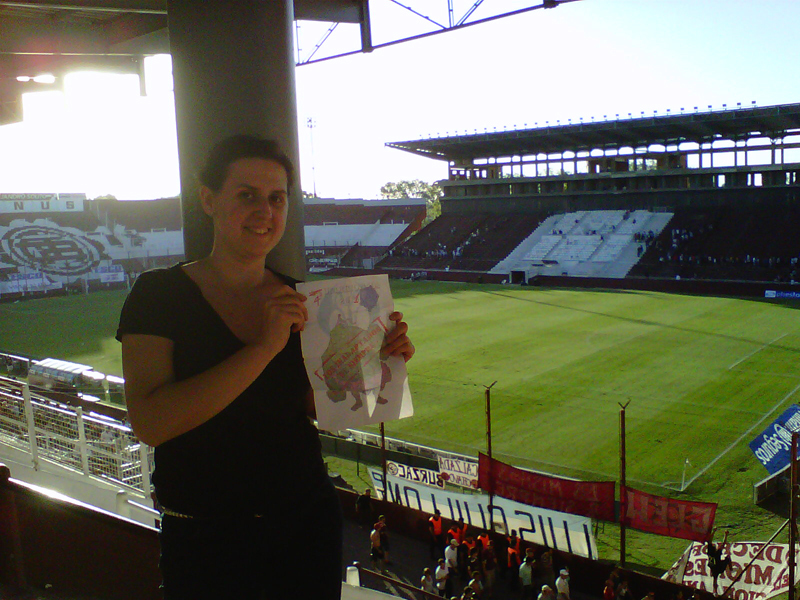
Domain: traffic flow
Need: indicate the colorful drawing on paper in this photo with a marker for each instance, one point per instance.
(354, 382)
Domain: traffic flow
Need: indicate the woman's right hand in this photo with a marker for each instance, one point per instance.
(284, 312)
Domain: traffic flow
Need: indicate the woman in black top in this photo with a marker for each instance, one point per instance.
(214, 379)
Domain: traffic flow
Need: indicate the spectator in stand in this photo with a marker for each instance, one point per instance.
(475, 563)
(443, 580)
(483, 539)
(609, 591)
(548, 572)
(468, 594)
(427, 583)
(615, 578)
(437, 534)
(526, 578)
(468, 546)
(562, 585)
(513, 560)
(384, 534)
(457, 531)
(623, 592)
(451, 555)
(476, 584)
(376, 551)
(547, 593)
(489, 560)
(716, 564)
(364, 510)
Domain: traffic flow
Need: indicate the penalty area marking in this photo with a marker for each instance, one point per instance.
(745, 434)
(756, 351)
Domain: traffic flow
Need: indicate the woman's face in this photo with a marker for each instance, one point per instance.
(250, 209)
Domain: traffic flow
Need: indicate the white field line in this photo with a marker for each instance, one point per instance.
(756, 351)
(745, 434)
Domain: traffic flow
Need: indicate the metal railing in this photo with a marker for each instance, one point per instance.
(88, 443)
(356, 575)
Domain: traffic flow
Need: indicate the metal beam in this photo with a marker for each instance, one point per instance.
(443, 28)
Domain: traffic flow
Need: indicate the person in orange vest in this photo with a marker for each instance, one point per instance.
(513, 560)
(436, 529)
(455, 533)
(483, 540)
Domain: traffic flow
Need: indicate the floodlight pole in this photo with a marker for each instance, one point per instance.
(622, 483)
(793, 518)
(489, 453)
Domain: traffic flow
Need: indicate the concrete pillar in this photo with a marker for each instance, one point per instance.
(233, 67)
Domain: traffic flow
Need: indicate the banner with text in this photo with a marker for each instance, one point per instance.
(593, 499)
(774, 446)
(768, 576)
(569, 533)
(459, 472)
(417, 474)
(667, 516)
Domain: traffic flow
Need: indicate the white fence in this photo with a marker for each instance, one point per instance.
(90, 444)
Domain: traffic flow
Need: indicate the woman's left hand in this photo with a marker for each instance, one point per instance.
(397, 342)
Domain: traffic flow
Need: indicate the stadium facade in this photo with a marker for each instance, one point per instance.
(695, 159)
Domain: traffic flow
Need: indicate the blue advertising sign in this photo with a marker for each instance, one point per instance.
(773, 447)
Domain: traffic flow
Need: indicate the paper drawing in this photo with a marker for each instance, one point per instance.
(354, 383)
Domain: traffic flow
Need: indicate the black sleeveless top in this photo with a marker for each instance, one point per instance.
(261, 453)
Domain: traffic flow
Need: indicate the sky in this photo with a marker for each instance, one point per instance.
(580, 60)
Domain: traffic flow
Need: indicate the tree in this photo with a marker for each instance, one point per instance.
(431, 192)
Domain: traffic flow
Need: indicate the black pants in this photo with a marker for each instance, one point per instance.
(285, 555)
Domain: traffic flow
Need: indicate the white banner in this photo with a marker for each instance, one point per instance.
(459, 472)
(768, 576)
(416, 474)
(550, 528)
(41, 203)
(27, 282)
(354, 383)
(110, 274)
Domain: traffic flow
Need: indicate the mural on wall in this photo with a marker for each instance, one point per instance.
(51, 240)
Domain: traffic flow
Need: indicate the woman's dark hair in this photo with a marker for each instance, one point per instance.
(236, 147)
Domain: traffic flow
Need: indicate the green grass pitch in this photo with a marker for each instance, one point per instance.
(702, 376)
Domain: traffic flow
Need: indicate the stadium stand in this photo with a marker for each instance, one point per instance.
(756, 242)
(356, 233)
(622, 180)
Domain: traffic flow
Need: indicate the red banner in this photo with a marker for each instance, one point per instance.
(593, 499)
(666, 516)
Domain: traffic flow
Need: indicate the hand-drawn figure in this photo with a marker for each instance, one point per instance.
(353, 362)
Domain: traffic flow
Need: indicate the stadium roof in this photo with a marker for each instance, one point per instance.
(700, 127)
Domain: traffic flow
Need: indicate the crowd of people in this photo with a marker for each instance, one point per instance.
(471, 564)
(467, 563)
